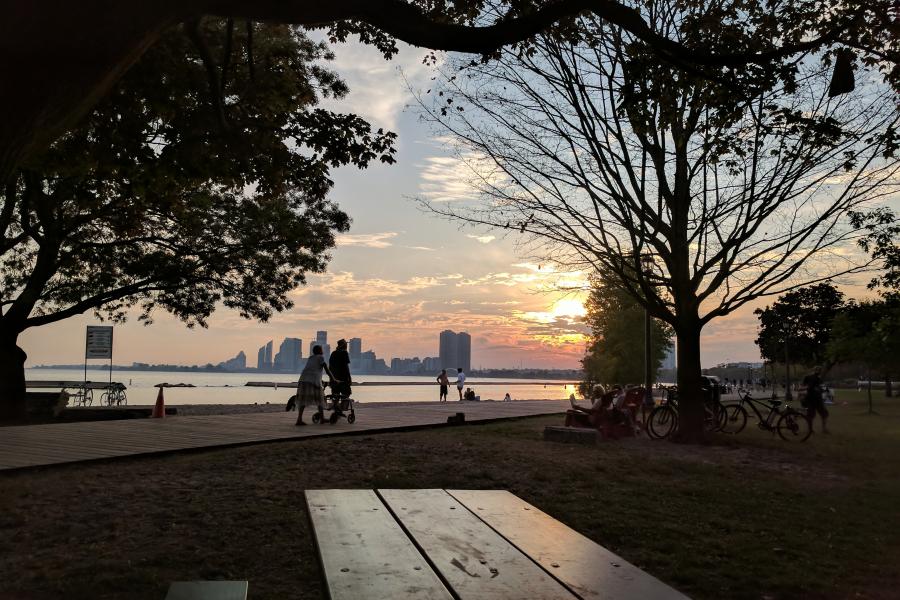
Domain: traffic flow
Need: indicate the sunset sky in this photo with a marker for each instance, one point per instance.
(400, 276)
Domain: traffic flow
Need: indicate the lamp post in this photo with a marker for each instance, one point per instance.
(647, 264)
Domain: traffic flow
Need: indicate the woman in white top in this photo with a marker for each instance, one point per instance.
(460, 381)
(309, 387)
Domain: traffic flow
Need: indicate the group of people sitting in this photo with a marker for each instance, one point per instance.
(613, 410)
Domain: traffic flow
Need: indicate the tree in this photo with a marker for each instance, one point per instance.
(616, 351)
(600, 156)
(865, 333)
(55, 68)
(796, 328)
(159, 202)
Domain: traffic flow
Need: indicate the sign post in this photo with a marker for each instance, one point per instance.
(98, 344)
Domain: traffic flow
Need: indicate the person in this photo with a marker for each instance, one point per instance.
(589, 417)
(445, 385)
(470, 394)
(309, 386)
(814, 400)
(506, 398)
(339, 363)
(460, 381)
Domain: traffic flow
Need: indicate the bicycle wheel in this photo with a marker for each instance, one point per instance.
(663, 422)
(735, 418)
(713, 417)
(793, 426)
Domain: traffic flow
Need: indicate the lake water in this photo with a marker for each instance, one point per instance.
(230, 388)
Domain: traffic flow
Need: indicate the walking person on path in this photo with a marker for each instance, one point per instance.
(339, 363)
(460, 381)
(814, 400)
(445, 385)
(309, 387)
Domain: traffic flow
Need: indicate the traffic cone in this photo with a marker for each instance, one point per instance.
(159, 411)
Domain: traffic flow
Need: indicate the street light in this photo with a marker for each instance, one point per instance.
(647, 266)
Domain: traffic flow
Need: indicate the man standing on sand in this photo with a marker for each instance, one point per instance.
(445, 385)
(460, 381)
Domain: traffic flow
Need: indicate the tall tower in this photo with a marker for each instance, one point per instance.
(448, 350)
(268, 359)
(321, 340)
(355, 348)
(464, 351)
(261, 359)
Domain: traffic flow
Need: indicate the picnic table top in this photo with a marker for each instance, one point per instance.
(93, 385)
(478, 544)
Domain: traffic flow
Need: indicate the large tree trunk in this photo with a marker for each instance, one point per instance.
(12, 379)
(690, 394)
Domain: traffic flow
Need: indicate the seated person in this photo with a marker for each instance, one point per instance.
(470, 394)
(579, 416)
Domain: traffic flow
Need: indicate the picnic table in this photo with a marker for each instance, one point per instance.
(478, 544)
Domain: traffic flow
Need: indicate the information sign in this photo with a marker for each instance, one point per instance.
(99, 341)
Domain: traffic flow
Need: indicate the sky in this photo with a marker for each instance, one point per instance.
(400, 276)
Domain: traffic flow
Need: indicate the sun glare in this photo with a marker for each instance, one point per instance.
(568, 307)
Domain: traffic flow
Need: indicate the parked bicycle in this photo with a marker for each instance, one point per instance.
(114, 395)
(663, 420)
(790, 424)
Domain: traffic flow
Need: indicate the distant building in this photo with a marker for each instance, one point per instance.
(289, 355)
(464, 351)
(264, 358)
(455, 350)
(431, 364)
(321, 340)
(448, 349)
(238, 363)
(355, 348)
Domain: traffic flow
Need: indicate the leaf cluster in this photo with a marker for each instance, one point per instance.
(202, 179)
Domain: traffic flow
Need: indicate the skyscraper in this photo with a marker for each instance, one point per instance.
(448, 350)
(355, 348)
(321, 340)
(264, 358)
(464, 351)
(289, 355)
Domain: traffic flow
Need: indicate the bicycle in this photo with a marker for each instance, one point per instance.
(792, 425)
(663, 420)
(114, 394)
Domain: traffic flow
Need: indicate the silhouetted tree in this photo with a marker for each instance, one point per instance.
(61, 58)
(158, 202)
(737, 187)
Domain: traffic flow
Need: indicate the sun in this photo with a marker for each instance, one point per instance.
(568, 307)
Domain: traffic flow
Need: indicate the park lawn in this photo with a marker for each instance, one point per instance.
(744, 517)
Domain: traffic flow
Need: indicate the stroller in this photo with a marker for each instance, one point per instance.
(339, 403)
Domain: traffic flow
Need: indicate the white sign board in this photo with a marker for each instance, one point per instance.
(99, 341)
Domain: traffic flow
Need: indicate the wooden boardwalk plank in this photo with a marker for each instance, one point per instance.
(36, 445)
(587, 568)
(477, 562)
(364, 552)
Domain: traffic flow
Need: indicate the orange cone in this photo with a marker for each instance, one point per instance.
(159, 411)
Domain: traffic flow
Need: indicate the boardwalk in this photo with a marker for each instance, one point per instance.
(38, 445)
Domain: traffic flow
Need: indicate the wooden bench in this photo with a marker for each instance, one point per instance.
(467, 544)
(207, 590)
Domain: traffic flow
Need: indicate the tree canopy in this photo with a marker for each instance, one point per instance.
(738, 187)
(56, 68)
(616, 352)
(159, 201)
(801, 321)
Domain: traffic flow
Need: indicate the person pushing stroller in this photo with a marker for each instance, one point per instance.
(309, 386)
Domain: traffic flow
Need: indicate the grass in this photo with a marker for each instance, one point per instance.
(744, 517)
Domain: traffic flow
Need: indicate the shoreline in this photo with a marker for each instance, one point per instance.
(191, 410)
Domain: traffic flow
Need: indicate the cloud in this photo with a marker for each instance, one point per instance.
(368, 240)
(484, 239)
(378, 91)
